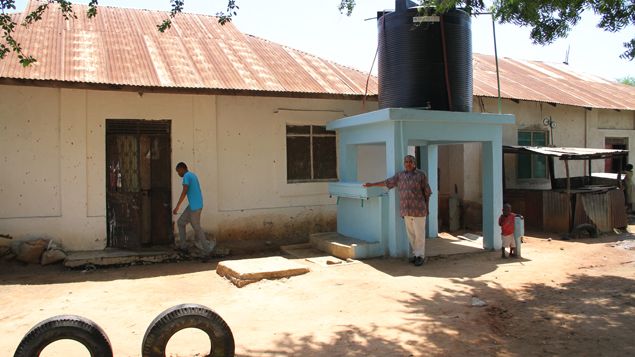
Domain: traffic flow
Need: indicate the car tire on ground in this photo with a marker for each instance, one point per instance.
(183, 316)
(65, 327)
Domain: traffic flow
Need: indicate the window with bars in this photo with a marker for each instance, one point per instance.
(311, 154)
(529, 165)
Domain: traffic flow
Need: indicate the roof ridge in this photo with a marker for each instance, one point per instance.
(309, 54)
(73, 4)
(556, 65)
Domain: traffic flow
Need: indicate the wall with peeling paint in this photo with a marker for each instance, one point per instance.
(31, 152)
(52, 146)
(53, 150)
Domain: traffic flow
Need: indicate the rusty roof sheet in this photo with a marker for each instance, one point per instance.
(566, 153)
(123, 47)
(549, 82)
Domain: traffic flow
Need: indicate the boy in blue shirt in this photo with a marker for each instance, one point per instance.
(192, 213)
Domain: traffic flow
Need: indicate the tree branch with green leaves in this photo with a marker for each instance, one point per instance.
(8, 25)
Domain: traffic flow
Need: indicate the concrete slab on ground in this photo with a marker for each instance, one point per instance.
(117, 257)
(311, 254)
(246, 271)
(344, 247)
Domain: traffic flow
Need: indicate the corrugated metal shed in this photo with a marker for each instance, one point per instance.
(565, 153)
(122, 47)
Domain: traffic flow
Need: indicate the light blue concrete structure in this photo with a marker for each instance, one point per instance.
(372, 214)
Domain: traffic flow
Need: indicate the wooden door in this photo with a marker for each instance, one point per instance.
(138, 200)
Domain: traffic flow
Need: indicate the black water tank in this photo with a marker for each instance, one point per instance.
(412, 65)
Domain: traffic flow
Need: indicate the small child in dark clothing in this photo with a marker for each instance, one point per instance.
(506, 221)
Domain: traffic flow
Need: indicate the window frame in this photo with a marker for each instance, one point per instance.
(322, 132)
(533, 157)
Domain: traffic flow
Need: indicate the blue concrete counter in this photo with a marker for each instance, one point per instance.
(354, 190)
(361, 211)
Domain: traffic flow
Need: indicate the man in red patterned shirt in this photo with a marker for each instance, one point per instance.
(506, 221)
(414, 196)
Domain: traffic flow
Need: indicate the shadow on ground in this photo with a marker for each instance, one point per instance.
(454, 266)
(585, 317)
(14, 272)
(607, 237)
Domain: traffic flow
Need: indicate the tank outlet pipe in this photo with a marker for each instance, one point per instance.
(498, 81)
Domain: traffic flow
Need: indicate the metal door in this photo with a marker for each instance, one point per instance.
(138, 200)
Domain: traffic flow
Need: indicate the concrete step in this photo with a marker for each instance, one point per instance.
(311, 254)
(344, 247)
(116, 257)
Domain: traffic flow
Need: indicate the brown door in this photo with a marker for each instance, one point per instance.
(616, 164)
(138, 168)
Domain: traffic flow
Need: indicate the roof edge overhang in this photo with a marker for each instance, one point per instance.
(554, 103)
(180, 90)
(565, 153)
(394, 115)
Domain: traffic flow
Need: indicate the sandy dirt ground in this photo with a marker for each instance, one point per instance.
(566, 298)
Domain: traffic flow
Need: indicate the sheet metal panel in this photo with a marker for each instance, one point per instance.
(556, 211)
(568, 153)
(281, 63)
(123, 47)
(528, 203)
(618, 208)
(549, 82)
(580, 216)
(596, 206)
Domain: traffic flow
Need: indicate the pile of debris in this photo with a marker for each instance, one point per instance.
(33, 251)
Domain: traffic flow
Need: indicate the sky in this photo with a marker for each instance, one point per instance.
(318, 28)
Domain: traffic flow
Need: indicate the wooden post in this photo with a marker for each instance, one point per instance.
(503, 169)
(552, 172)
(619, 173)
(566, 167)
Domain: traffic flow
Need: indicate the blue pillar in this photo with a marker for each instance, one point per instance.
(396, 149)
(492, 192)
(429, 164)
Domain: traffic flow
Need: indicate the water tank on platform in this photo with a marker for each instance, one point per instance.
(425, 59)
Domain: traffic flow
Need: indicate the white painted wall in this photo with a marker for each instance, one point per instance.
(576, 127)
(53, 150)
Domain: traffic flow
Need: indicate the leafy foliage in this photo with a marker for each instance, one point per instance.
(347, 5)
(232, 10)
(628, 80)
(8, 24)
(550, 20)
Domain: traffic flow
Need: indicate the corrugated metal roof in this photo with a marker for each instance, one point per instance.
(566, 153)
(123, 47)
(549, 82)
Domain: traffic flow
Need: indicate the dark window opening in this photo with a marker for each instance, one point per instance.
(616, 164)
(529, 165)
(311, 154)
